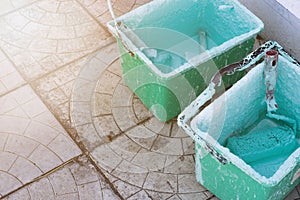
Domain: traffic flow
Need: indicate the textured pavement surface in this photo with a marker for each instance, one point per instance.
(69, 126)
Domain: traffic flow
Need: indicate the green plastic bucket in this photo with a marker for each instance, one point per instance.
(217, 168)
(171, 48)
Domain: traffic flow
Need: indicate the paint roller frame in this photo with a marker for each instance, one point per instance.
(280, 143)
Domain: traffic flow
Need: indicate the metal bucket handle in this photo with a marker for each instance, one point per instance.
(117, 27)
(215, 82)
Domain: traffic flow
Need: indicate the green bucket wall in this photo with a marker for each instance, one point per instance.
(233, 112)
(173, 26)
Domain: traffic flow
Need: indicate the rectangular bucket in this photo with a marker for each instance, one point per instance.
(224, 173)
(171, 48)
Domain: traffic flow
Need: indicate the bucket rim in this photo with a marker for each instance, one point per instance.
(197, 60)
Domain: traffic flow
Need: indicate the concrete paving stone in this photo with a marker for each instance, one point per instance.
(150, 160)
(123, 6)
(140, 110)
(161, 182)
(84, 174)
(174, 197)
(8, 124)
(44, 158)
(80, 118)
(106, 157)
(49, 31)
(178, 132)
(36, 29)
(16, 21)
(142, 136)
(75, 180)
(63, 111)
(192, 196)
(106, 126)
(209, 194)
(20, 145)
(96, 7)
(12, 81)
(109, 194)
(21, 194)
(126, 190)
(140, 195)
(64, 147)
(35, 144)
(8, 104)
(10, 183)
(34, 107)
(187, 184)
(115, 67)
(124, 117)
(159, 195)
(68, 88)
(22, 95)
(125, 147)
(167, 145)
(63, 182)
(92, 70)
(122, 96)
(71, 196)
(179, 164)
(90, 191)
(3, 139)
(17, 112)
(107, 87)
(82, 107)
(88, 136)
(294, 194)
(56, 88)
(298, 188)
(156, 126)
(142, 2)
(136, 179)
(2, 88)
(9, 5)
(86, 88)
(130, 168)
(24, 170)
(9, 76)
(40, 132)
(7, 159)
(99, 8)
(110, 176)
(188, 146)
(109, 54)
(103, 102)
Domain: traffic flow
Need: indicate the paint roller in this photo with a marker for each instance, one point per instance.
(263, 144)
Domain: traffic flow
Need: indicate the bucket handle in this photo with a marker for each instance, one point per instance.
(116, 24)
(215, 82)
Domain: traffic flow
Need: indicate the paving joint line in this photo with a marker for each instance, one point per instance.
(55, 169)
(93, 17)
(12, 90)
(110, 138)
(18, 8)
(99, 170)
